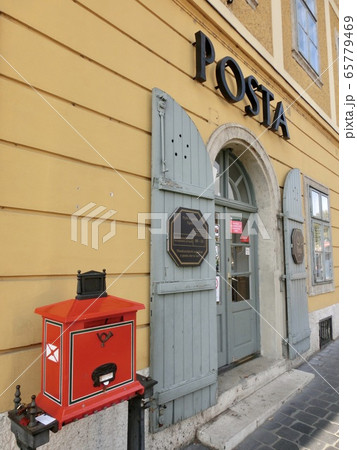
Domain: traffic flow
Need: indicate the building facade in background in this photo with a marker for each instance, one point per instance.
(116, 117)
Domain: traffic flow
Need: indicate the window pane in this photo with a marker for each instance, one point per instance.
(303, 45)
(315, 204)
(217, 178)
(318, 270)
(232, 191)
(324, 207)
(311, 5)
(301, 14)
(243, 191)
(317, 237)
(327, 240)
(314, 57)
(328, 266)
(240, 288)
(240, 260)
(235, 175)
(312, 29)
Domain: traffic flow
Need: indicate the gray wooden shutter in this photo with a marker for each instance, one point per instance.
(183, 336)
(297, 308)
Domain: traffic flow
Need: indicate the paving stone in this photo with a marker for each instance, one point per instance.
(248, 444)
(288, 410)
(306, 417)
(302, 427)
(332, 417)
(283, 444)
(284, 419)
(288, 433)
(324, 436)
(298, 404)
(316, 411)
(327, 426)
(318, 402)
(271, 425)
(333, 408)
(264, 436)
(311, 443)
(329, 398)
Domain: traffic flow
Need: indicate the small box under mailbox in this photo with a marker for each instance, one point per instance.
(89, 351)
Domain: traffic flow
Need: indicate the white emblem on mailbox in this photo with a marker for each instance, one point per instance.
(52, 352)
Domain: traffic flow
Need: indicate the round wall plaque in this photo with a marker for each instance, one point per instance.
(297, 245)
(188, 237)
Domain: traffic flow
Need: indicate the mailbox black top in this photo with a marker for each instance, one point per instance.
(91, 284)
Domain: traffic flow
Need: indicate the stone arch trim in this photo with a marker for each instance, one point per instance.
(231, 134)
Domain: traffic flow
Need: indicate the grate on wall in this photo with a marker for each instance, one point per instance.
(325, 331)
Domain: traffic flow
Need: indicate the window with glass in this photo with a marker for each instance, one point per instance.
(307, 40)
(321, 237)
(231, 181)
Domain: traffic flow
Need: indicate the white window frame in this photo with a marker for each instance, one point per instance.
(304, 60)
(316, 287)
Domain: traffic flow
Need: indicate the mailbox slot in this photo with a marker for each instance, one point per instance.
(104, 374)
(101, 322)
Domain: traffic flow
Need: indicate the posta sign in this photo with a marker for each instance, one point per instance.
(248, 86)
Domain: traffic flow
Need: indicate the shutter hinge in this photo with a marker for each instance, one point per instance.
(161, 107)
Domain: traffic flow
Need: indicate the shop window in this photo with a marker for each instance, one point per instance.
(321, 262)
(306, 50)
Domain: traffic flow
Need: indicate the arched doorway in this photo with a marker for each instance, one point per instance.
(236, 261)
(265, 206)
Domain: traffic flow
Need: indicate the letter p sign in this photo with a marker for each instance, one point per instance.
(204, 55)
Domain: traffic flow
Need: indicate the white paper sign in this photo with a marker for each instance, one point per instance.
(45, 419)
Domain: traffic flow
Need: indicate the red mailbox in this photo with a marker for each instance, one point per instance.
(89, 351)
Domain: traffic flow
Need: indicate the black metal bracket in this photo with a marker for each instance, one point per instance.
(29, 433)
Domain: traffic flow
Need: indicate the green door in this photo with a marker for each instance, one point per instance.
(236, 263)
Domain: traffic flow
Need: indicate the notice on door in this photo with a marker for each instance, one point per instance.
(236, 226)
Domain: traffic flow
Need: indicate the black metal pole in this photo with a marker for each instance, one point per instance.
(136, 414)
(136, 424)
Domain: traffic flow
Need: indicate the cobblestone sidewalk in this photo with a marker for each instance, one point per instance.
(310, 420)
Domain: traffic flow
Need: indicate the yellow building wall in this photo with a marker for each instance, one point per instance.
(76, 102)
(253, 19)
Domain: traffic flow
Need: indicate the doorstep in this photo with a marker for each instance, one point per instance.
(231, 427)
(239, 382)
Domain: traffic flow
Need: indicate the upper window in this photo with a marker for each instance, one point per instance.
(231, 180)
(307, 41)
(321, 237)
